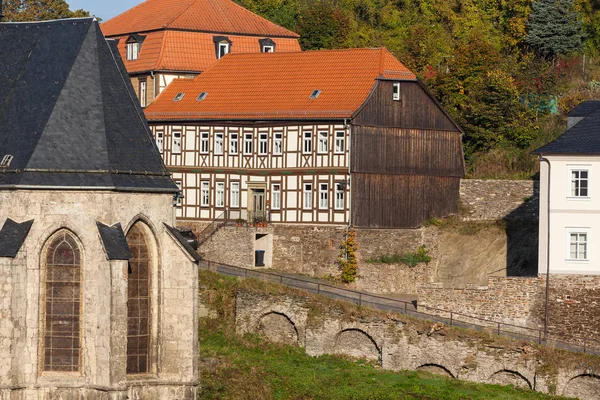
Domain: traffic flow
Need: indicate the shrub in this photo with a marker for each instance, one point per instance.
(412, 259)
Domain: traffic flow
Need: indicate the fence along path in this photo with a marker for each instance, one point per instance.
(451, 318)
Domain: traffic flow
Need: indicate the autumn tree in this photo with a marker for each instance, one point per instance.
(39, 10)
(554, 28)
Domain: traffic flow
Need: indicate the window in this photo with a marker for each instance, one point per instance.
(223, 49)
(579, 183)
(204, 194)
(578, 246)
(220, 194)
(218, 143)
(307, 204)
(176, 142)
(396, 95)
(233, 143)
(266, 45)
(201, 96)
(277, 143)
(323, 139)
(6, 160)
(138, 302)
(178, 183)
(235, 194)
(159, 141)
(62, 308)
(178, 96)
(323, 196)
(268, 49)
(248, 143)
(204, 142)
(340, 139)
(276, 200)
(339, 196)
(133, 50)
(314, 94)
(262, 144)
(307, 146)
(143, 93)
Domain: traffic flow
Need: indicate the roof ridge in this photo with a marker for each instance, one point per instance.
(179, 15)
(295, 34)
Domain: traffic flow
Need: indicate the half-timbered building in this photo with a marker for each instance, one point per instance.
(319, 137)
(161, 40)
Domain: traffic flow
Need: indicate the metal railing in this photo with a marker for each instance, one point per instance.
(213, 227)
(451, 318)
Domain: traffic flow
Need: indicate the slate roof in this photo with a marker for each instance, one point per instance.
(584, 108)
(68, 113)
(113, 239)
(177, 235)
(278, 86)
(583, 138)
(217, 16)
(12, 237)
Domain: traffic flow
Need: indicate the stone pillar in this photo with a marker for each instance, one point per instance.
(118, 324)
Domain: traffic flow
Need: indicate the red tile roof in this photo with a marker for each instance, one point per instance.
(189, 51)
(278, 86)
(216, 16)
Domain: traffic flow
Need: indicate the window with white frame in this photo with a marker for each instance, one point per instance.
(204, 142)
(235, 195)
(340, 142)
(233, 143)
(277, 143)
(323, 142)
(159, 141)
(323, 196)
(263, 144)
(248, 143)
(204, 193)
(223, 49)
(579, 182)
(218, 143)
(268, 48)
(133, 51)
(143, 93)
(578, 246)
(220, 200)
(179, 186)
(276, 197)
(307, 142)
(339, 196)
(176, 148)
(396, 95)
(308, 196)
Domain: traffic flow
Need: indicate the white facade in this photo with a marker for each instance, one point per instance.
(574, 217)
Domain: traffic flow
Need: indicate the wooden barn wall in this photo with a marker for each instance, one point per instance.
(380, 150)
(415, 109)
(401, 201)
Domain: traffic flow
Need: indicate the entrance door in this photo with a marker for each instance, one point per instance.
(258, 203)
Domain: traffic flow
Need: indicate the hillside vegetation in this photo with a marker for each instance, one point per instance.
(506, 70)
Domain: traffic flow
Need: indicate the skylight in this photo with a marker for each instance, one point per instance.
(6, 161)
(201, 96)
(179, 96)
(315, 94)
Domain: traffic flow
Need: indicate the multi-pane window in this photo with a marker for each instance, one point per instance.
(248, 143)
(262, 144)
(308, 196)
(339, 196)
(307, 142)
(179, 186)
(578, 246)
(277, 143)
(138, 302)
(235, 194)
(396, 93)
(340, 139)
(204, 193)
(323, 196)
(204, 142)
(233, 143)
(276, 198)
(223, 49)
(62, 306)
(220, 200)
(579, 182)
(133, 50)
(159, 141)
(218, 143)
(176, 149)
(143, 93)
(323, 142)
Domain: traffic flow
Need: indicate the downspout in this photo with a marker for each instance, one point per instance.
(348, 127)
(543, 159)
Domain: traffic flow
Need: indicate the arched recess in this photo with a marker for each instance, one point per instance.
(141, 268)
(436, 369)
(583, 386)
(357, 343)
(61, 268)
(279, 328)
(510, 377)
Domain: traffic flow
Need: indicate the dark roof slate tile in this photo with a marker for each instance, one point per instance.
(583, 138)
(177, 235)
(12, 237)
(113, 239)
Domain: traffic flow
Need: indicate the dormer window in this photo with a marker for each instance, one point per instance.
(266, 45)
(134, 46)
(223, 49)
(5, 163)
(222, 46)
(268, 49)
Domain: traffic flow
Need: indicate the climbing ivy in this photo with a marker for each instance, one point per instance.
(347, 260)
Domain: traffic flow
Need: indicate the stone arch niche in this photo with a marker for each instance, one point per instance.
(279, 328)
(584, 386)
(356, 343)
(436, 369)
(509, 377)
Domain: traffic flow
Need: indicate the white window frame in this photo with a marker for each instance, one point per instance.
(176, 142)
(160, 141)
(323, 196)
(204, 136)
(204, 193)
(396, 91)
(133, 51)
(570, 191)
(143, 93)
(223, 45)
(234, 195)
(220, 195)
(233, 143)
(277, 143)
(340, 142)
(323, 142)
(307, 139)
(268, 48)
(580, 232)
(307, 196)
(180, 187)
(263, 144)
(247, 143)
(219, 143)
(340, 194)
(276, 196)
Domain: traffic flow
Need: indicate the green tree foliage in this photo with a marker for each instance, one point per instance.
(39, 10)
(554, 27)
